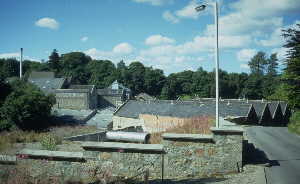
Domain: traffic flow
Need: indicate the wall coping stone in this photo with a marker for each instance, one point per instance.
(8, 159)
(188, 137)
(123, 147)
(53, 155)
(227, 130)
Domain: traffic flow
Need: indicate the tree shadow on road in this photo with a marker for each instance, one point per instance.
(253, 155)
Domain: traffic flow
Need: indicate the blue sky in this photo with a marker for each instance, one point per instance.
(165, 34)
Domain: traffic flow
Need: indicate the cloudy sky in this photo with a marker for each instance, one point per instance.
(165, 34)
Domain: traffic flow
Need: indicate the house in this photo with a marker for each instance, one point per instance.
(114, 95)
(47, 82)
(77, 97)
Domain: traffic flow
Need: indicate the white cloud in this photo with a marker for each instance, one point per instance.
(123, 48)
(119, 52)
(158, 40)
(168, 16)
(84, 39)
(47, 23)
(267, 8)
(245, 54)
(188, 11)
(245, 66)
(276, 39)
(154, 2)
(10, 55)
(237, 24)
(17, 56)
(281, 53)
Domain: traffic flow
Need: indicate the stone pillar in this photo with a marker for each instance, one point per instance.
(230, 139)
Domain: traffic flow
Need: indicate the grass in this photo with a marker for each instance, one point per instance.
(294, 125)
(195, 125)
(48, 139)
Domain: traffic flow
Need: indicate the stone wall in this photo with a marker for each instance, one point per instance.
(179, 155)
(75, 101)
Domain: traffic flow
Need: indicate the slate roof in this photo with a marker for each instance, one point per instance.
(38, 75)
(48, 85)
(181, 109)
(110, 92)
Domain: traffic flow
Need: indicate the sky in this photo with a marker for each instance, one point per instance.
(165, 34)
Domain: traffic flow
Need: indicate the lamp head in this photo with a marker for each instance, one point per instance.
(200, 8)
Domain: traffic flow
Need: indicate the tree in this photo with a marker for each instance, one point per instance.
(54, 61)
(291, 75)
(74, 65)
(101, 73)
(271, 76)
(257, 63)
(272, 65)
(135, 77)
(154, 81)
(10, 67)
(26, 107)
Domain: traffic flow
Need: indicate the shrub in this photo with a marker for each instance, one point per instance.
(294, 124)
(49, 142)
(26, 107)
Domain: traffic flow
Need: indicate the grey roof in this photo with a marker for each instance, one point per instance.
(90, 87)
(37, 75)
(133, 109)
(110, 92)
(48, 85)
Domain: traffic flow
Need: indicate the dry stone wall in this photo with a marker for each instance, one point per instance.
(179, 155)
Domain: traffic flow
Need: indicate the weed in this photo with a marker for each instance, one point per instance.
(49, 142)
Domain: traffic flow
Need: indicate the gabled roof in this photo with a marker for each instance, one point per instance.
(48, 85)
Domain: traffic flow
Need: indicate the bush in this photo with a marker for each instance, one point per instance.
(49, 142)
(26, 107)
(294, 125)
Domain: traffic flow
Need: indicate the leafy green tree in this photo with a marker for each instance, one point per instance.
(101, 73)
(4, 88)
(74, 65)
(10, 67)
(154, 81)
(291, 75)
(26, 107)
(54, 61)
(258, 63)
(135, 77)
(271, 76)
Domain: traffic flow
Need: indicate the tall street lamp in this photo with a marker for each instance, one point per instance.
(201, 8)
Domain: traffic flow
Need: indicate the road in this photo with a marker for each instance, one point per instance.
(282, 149)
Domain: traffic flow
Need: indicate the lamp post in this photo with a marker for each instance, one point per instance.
(201, 8)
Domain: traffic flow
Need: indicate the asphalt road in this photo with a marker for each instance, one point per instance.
(282, 150)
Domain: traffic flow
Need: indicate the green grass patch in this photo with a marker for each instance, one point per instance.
(294, 125)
